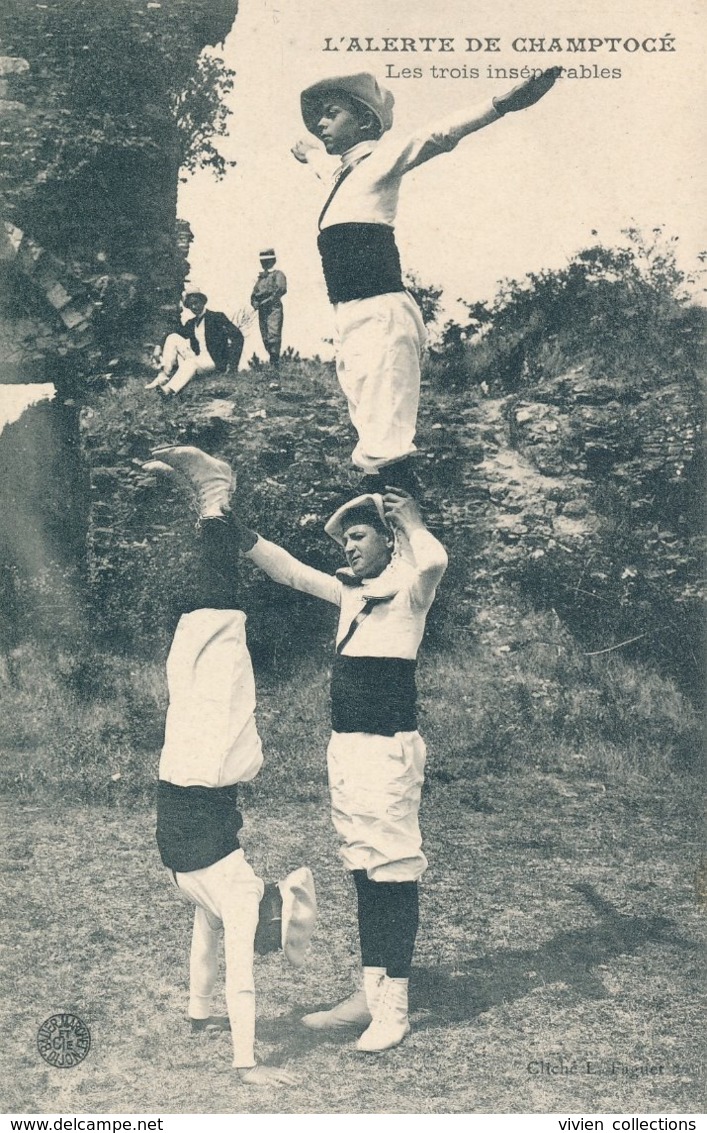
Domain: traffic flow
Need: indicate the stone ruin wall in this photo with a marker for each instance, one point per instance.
(91, 264)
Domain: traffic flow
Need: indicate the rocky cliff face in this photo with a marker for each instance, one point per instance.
(92, 257)
(585, 492)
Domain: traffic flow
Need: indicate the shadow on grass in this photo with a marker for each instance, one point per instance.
(295, 1041)
(451, 994)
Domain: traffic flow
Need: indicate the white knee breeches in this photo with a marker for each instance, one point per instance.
(375, 784)
(379, 344)
(227, 896)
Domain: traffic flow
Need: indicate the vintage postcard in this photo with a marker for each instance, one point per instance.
(351, 527)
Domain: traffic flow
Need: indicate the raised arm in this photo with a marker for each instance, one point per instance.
(424, 552)
(284, 568)
(397, 156)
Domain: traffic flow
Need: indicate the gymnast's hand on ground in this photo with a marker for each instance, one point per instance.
(265, 1076)
(401, 509)
(301, 149)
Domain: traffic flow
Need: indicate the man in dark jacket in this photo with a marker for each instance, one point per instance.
(207, 343)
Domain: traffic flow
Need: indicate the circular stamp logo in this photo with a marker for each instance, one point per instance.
(63, 1040)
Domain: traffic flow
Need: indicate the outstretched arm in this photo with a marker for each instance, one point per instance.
(396, 157)
(527, 93)
(284, 568)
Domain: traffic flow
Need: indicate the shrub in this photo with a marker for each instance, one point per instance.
(621, 310)
(544, 704)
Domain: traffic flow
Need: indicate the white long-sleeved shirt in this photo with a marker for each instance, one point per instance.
(369, 195)
(393, 628)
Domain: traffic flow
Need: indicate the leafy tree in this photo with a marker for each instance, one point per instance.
(202, 114)
(426, 295)
(118, 96)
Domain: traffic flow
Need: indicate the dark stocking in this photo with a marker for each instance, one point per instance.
(388, 917)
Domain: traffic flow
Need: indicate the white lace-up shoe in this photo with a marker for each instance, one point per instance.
(211, 481)
(354, 1011)
(390, 1023)
(373, 979)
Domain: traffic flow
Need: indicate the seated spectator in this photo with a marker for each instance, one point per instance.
(207, 343)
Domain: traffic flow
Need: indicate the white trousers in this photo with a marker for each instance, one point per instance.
(180, 364)
(227, 896)
(211, 739)
(379, 343)
(375, 784)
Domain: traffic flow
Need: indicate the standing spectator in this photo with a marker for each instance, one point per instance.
(207, 343)
(269, 288)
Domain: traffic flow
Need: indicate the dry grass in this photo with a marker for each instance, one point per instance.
(558, 922)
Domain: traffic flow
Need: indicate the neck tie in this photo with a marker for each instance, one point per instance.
(360, 617)
(343, 174)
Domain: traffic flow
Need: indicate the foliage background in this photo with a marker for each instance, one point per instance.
(118, 99)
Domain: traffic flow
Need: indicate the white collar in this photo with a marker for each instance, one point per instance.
(356, 154)
(385, 585)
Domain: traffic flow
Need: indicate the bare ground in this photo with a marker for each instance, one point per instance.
(558, 967)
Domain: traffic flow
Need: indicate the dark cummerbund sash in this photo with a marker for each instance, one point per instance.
(196, 826)
(373, 694)
(359, 260)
